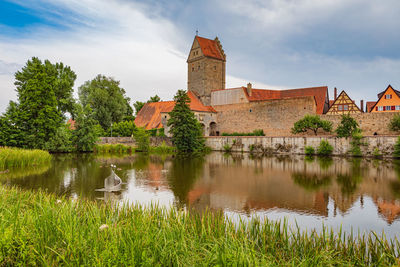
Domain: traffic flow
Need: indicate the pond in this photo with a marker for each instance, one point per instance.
(353, 193)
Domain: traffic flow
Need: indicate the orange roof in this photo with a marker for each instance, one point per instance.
(149, 116)
(370, 105)
(319, 93)
(331, 102)
(210, 48)
(71, 124)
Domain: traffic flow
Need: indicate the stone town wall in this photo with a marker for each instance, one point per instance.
(370, 123)
(129, 141)
(296, 145)
(275, 117)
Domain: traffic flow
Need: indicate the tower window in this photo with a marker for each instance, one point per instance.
(198, 67)
(215, 67)
(192, 69)
(250, 110)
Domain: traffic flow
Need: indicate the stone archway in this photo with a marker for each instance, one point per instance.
(203, 129)
(213, 129)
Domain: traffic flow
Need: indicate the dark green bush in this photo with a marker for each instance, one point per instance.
(142, 139)
(258, 132)
(123, 128)
(313, 123)
(394, 124)
(356, 143)
(347, 126)
(324, 148)
(309, 150)
(396, 151)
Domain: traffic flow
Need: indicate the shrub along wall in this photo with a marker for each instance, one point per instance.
(129, 141)
(296, 145)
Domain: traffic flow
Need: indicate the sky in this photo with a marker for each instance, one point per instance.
(274, 44)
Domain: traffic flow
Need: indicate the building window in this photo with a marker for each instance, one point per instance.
(340, 107)
(388, 96)
(345, 107)
(215, 67)
(388, 108)
(192, 69)
(198, 67)
(380, 108)
(397, 107)
(250, 110)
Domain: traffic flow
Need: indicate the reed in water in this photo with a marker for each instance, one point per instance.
(17, 157)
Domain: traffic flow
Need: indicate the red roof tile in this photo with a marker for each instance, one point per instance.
(210, 48)
(149, 116)
(370, 105)
(71, 124)
(319, 93)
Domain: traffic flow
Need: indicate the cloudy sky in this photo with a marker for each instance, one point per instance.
(353, 45)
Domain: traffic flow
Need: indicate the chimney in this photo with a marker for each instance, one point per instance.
(335, 93)
(362, 105)
(249, 89)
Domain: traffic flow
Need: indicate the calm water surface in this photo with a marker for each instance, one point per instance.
(358, 194)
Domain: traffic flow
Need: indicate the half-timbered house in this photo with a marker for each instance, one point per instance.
(343, 104)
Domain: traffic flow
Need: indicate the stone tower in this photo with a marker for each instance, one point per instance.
(206, 68)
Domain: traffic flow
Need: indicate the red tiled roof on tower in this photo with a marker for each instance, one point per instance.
(210, 48)
(149, 116)
(319, 93)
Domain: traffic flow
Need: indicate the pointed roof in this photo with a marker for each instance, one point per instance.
(149, 116)
(370, 105)
(210, 48)
(381, 94)
(343, 93)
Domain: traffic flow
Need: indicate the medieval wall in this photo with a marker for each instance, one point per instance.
(296, 145)
(226, 97)
(369, 123)
(275, 117)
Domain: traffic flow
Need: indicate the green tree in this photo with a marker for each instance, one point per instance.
(61, 141)
(394, 124)
(185, 129)
(63, 88)
(85, 134)
(348, 125)
(142, 139)
(123, 128)
(107, 100)
(311, 122)
(324, 148)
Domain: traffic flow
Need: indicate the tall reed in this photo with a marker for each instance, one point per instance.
(39, 229)
(17, 157)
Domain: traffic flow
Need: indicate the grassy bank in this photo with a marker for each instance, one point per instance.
(40, 229)
(124, 149)
(16, 157)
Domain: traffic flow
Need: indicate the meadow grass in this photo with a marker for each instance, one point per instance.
(39, 229)
(162, 149)
(17, 157)
(114, 148)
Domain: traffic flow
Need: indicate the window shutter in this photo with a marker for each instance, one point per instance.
(384, 108)
(392, 107)
(376, 108)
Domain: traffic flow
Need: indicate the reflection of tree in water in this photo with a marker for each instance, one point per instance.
(395, 185)
(311, 182)
(183, 174)
(141, 161)
(349, 182)
(309, 159)
(325, 162)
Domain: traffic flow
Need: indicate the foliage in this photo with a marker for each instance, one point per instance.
(347, 126)
(152, 132)
(396, 151)
(99, 131)
(258, 132)
(324, 148)
(44, 93)
(313, 123)
(139, 105)
(356, 143)
(161, 132)
(142, 139)
(123, 128)
(61, 141)
(184, 127)
(85, 134)
(377, 153)
(107, 100)
(394, 124)
(113, 148)
(34, 222)
(16, 157)
(309, 150)
(163, 149)
(227, 147)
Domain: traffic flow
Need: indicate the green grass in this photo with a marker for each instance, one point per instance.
(17, 157)
(163, 149)
(39, 229)
(113, 148)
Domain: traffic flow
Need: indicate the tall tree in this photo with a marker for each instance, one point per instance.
(63, 88)
(36, 116)
(85, 134)
(107, 100)
(185, 129)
